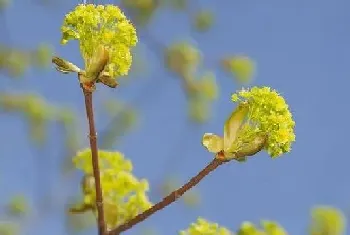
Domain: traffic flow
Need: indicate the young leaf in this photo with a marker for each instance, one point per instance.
(64, 66)
(233, 124)
(212, 142)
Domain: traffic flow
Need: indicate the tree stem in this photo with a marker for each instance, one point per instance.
(172, 197)
(95, 165)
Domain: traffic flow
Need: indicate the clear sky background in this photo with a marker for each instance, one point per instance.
(301, 48)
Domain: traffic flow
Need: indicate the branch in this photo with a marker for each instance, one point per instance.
(172, 197)
(95, 166)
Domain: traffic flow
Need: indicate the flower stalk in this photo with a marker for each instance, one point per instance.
(95, 165)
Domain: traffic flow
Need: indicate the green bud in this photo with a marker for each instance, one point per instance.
(65, 66)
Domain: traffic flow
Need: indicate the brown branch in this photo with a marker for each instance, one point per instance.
(95, 166)
(172, 197)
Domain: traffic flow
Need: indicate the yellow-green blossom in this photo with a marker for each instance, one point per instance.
(262, 120)
(268, 228)
(273, 228)
(268, 114)
(98, 25)
(208, 86)
(327, 221)
(124, 195)
(203, 20)
(248, 228)
(9, 228)
(204, 227)
(18, 205)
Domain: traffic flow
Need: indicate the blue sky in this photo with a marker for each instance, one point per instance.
(301, 49)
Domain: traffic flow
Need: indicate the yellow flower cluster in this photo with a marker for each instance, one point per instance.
(327, 221)
(203, 20)
(261, 121)
(208, 86)
(9, 228)
(269, 115)
(204, 227)
(18, 205)
(98, 25)
(269, 228)
(124, 195)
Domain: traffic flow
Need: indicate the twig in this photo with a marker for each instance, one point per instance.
(172, 197)
(95, 166)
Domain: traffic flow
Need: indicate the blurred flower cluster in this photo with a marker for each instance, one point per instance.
(38, 113)
(184, 59)
(4, 4)
(17, 208)
(325, 221)
(203, 20)
(204, 227)
(268, 228)
(15, 62)
(18, 205)
(9, 228)
(241, 67)
(141, 10)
